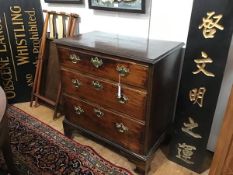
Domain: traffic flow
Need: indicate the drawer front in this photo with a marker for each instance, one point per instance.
(104, 123)
(133, 102)
(90, 62)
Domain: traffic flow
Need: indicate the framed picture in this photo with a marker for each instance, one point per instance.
(135, 6)
(65, 1)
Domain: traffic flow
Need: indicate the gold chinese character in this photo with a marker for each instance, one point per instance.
(210, 24)
(201, 63)
(197, 95)
(185, 152)
(188, 127)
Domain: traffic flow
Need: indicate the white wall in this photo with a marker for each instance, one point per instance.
(170, 19)
(164, 19)
(222, 100)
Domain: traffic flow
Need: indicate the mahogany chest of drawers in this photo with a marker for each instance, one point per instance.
(120, 90)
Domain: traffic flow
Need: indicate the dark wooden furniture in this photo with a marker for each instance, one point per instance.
(223, 157)
(135, 121)
(4, 136)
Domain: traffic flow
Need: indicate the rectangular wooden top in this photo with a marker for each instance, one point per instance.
(140, 49)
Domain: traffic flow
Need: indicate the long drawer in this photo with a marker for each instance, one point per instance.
(114, 127)
(103, 92)
(108, 67)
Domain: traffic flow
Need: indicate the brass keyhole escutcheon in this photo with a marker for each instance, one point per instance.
(123, 99)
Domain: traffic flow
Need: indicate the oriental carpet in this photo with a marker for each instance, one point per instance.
(38, 149)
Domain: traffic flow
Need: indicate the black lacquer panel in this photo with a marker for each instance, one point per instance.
(206, 53)
(21, 24)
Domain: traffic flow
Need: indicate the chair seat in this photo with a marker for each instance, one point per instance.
(4, 135)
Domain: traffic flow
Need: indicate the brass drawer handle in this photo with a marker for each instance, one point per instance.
(74, 58)
(78, 110)
(97, 85)
(98, 113)
(123, 99)
(121, 128)
(76, 83)
(122, 70)
(97, 62)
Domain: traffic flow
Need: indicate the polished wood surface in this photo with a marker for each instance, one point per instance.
(106, 96)
(107, 69)
(149, 83)
(104, 123)
(223, 158)
(143, 50)
(164, 84)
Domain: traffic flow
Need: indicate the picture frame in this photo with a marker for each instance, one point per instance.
(65, 1)
(134, 6)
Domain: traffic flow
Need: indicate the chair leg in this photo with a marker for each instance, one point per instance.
(8, 156)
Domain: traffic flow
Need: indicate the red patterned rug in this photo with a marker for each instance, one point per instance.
(38, 149)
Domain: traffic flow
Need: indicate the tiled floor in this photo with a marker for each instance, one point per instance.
(160, 164)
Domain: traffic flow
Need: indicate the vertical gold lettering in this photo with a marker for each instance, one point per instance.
(201, 64)
(210, 24)
(185, 152)
(188, 128)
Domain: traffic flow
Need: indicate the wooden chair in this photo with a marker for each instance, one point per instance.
(4, 135)
(67, 31)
